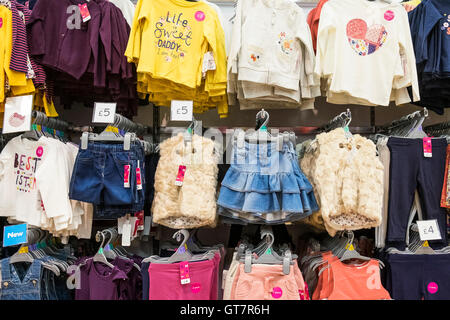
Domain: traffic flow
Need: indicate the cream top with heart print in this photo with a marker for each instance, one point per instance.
(365, 50)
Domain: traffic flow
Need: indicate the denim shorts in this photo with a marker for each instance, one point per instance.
(98, 175)
(266, 185)
(104, 211)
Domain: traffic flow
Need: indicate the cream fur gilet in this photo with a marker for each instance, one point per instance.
(347, 177)
(193, 204)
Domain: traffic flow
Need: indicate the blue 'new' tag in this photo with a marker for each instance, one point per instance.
(15, 234)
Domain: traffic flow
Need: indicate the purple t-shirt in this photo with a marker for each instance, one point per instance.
(131, 289)
(99, 282)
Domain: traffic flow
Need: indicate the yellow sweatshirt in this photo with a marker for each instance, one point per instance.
(177, 34)
(18, 82)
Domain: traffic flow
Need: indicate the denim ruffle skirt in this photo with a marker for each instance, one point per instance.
(265, 185)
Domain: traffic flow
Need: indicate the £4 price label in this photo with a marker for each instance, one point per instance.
(429, 230)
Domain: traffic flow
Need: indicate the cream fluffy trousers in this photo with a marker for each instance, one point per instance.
(347, 177)
(193, 204)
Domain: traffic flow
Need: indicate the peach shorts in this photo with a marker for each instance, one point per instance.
(267, 282)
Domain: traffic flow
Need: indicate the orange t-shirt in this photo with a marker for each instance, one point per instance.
(356, 282)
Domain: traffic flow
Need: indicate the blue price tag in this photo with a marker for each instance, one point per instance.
(15, 234)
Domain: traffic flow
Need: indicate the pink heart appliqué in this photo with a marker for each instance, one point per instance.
(365, 40)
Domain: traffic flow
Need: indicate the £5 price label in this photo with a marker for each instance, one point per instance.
(104, 112)
(181, 110)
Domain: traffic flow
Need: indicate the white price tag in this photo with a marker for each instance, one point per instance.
(104, 112)
(181, 110)
(126, 234)
(429, 230)
(17, 116)
(208, 63)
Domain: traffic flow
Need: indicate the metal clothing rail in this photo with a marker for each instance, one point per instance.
(41, 118)
(438, 129)
(301, 130)
(340, 120)
(120, 122)
(405, 120)
(127, 125)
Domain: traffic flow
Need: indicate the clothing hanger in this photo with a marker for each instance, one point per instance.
(417, 131)
(424, 250)
(184, 248)
(261, 134)
(108, 136)
(109, 254)
(44, 126)
(27, 257)
(342, 120)
(234, 15)
(406, 124)
(193, 128)
(350, 253)
(33, 133)
(100, 256)
(439, 130)
(195, 258)
(415, 209)
(240, 251)
(122, 255)
(269, 256)
(344, 251)
(262, 120)
(119, 250)
(348, 119)
(53, 123)
(261, 248)
(416, 243)
(182, 253)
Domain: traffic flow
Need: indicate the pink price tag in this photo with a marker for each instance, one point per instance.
(184, 273)
(427, 149)
(180, 175)
(39, 151)
(389, 15)
(126, 176)
(138, 179)
(277, 293)
(196, 287)
(302, 294)
(200, 16)
(85, 15)
(432, 287)
(307, 292)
